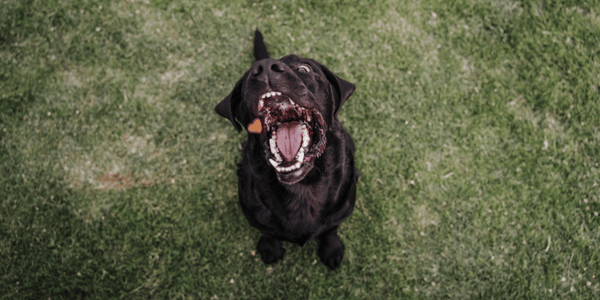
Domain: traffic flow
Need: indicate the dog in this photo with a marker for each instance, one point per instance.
(297, 179)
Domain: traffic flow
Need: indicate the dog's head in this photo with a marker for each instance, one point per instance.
(296, 100)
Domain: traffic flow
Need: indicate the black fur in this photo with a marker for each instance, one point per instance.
(260, 50)
(312, 202)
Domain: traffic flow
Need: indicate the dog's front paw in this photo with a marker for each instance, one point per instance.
(331, 250)
(270, 249)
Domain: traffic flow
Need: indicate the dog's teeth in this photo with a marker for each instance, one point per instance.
(293, 167)
(273, 144)
(300, 157)
(271, 94)
(260, 104)
(292, 102)
(305, 137)
(296, 166)
(274, 163)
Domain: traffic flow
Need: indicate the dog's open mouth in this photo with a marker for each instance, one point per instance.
(294, 135)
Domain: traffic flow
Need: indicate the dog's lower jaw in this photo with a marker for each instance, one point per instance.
(295, 176)
(300, 166)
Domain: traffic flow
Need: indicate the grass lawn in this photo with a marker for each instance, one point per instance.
(477, 127)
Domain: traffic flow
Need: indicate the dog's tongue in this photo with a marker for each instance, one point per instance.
(289, 139)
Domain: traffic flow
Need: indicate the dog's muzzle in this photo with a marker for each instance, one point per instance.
(293, 135)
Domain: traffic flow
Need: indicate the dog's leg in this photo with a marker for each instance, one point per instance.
(270, 249)
(331, 249)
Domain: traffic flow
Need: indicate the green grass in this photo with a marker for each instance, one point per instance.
(476, 125)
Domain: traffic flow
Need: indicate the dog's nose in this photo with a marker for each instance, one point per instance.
(266, 68)
(277, 67)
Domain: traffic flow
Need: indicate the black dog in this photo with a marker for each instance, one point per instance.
(297, 179)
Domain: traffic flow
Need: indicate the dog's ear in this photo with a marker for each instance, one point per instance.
(341, 88)
(226, 108)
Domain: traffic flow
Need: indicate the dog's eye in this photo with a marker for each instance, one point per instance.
(304, 68)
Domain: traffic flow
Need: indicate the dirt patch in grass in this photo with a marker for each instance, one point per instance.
(125, 164)
(120, 181)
